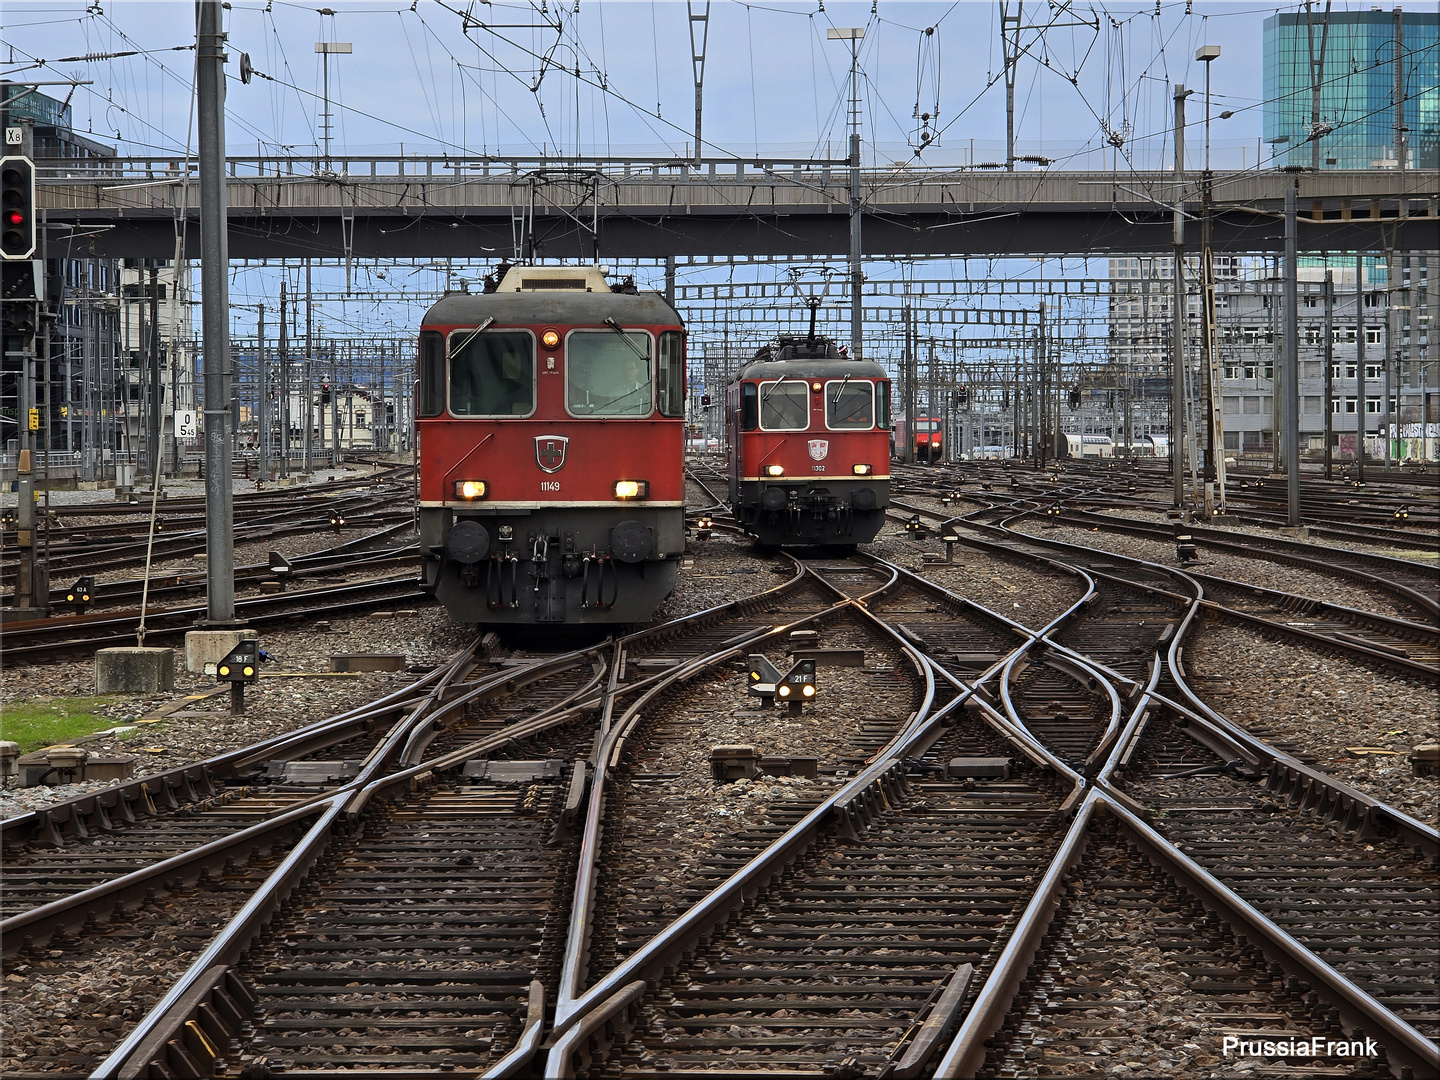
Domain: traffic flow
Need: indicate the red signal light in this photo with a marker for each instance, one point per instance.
(14, 217)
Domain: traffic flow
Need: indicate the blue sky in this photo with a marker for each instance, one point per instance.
(463, 77)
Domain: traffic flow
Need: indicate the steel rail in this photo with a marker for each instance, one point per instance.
(1287, 775)
(264, 609)
(570, 988)
(344, 805)
(306, 740)
(1404, 1045)
(1283, 550)
(606, 998)
(1354, 646)
(131, 1057)
(73, 911)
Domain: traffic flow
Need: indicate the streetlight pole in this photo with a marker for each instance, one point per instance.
(1214, 447)
(1177, 349)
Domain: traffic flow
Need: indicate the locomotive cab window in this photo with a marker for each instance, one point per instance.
(785, 405)
(882, 405)
(749, 406)
(609, 373)
(431, 399)
(849, 404)
(670, 375)
(492, 373)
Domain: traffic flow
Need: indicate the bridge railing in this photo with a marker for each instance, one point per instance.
(169, 167)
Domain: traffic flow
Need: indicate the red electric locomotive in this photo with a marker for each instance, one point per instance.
(809, 445)
(549, 428)
(929, 443)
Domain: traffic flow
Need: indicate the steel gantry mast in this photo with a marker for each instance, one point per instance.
(215, 316)
(1010, 41)
(1317, 75)
(699, 35)
(853, 34)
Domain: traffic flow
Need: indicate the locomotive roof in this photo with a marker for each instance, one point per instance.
(551, 305)
(829, 368)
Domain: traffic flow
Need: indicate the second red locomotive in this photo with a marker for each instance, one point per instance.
(809, 445)
(549, 427)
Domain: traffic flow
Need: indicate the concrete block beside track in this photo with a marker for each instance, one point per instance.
(134, 671)
(206, 648)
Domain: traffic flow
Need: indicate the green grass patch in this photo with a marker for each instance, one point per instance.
(34, 724)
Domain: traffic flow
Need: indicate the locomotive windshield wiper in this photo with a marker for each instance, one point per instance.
(840, 389)
(613, 325)
(470, 336)
(772, 387)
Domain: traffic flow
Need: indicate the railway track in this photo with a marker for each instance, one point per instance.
(527, 872)
(78, 549)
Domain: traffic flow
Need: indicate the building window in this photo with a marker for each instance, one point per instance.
(1346, 371)
(1372, 405)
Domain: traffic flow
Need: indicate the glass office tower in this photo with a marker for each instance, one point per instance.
(1357, 88)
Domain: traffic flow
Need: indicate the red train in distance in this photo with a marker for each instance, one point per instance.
(549, 431)
(809, 445)
(929, 442)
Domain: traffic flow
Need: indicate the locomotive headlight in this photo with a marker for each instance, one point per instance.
(471, 489)
(860, 470)
(632, 489)
(774, 470)
(550, 338)
(815, 386)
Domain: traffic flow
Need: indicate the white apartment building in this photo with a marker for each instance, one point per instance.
(1402, 367)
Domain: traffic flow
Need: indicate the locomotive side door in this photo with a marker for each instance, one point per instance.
(732, 433)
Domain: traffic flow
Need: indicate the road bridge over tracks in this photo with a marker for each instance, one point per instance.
(429, 207)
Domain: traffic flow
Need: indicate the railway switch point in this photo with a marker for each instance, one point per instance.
(134, 670)
(949, 539)
(1425, 759)
(978, 768)
(367, 662)
(729, 763)
(55, 765)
